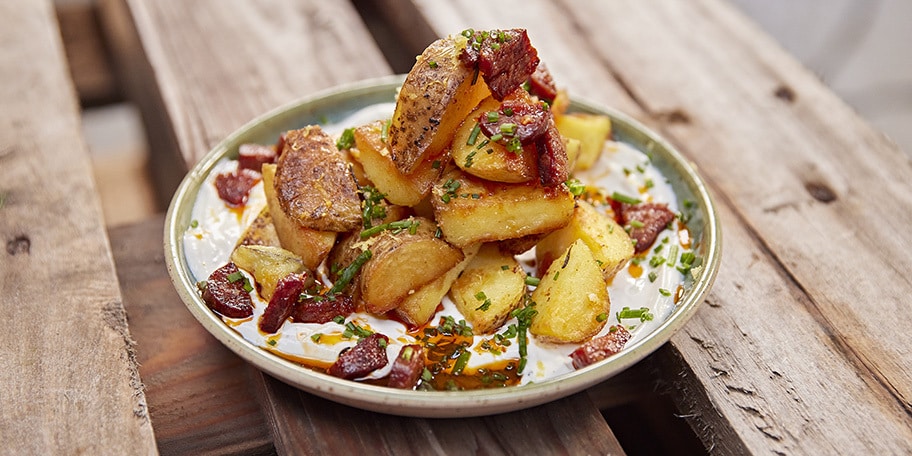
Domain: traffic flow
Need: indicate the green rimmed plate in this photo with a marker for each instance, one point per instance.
(336, 104)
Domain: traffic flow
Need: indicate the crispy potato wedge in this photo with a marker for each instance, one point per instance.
(471, 210)
(261, 231)
(402, 262)
(571, 298)
(489, 288)
(314, 183)
(267, 264)
(491, 160)
(311, 245)
(437, 94)
(419, 308)
(374, 158)
(590, 129)
(610, 245)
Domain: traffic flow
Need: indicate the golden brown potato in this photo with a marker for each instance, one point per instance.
(610, 245)
(261, 231)
(571, 298)
(491, 160)
(489, 288)
(314, 184)
(267, 264)
(591, 130)
(378, 166)
(471, 210)
(420, 307)
(573, 146)
(402, 261)
(311, 245)
(437, 94)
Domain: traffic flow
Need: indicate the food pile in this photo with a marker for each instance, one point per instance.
(473, 171)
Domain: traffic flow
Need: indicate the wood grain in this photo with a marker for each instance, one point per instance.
(803, 337)
(567, 426)
(68, 377)
(200, 395)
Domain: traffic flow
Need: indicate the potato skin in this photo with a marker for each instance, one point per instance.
(261, 231)
(400, 264)
(420, 307)
(311, 245)
(437, 94)
(570, 298)
(483, 211)
(314, 184)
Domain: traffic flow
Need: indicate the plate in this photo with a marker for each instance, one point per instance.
(338, 103)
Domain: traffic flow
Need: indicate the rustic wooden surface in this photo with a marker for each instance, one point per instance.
(199, 393)
(68, 378)
(802, 346)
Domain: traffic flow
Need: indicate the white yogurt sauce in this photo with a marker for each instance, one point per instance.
(208, 246)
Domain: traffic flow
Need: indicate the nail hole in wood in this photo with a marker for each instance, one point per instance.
(785, 93)
(820, 192)
(19, 244)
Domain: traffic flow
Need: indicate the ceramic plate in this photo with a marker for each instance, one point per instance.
(333, 105)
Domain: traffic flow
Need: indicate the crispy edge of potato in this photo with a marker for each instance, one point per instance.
(483, 211)
(311, 245)
(571, 298)
(378, 166)
(502, 281)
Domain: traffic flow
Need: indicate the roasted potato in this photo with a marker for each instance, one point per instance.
(314, 183)
(489, 288)
(437, 94)
(420, 307)
(378, 166)
(590, 129)
(261, 231)
(311, 245)
(475, 155)
(471, 210)
(610, 245)
(573, 146)
(402, 261)
(267, 264)
(571, 298)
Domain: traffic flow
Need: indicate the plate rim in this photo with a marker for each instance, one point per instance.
(430, 403)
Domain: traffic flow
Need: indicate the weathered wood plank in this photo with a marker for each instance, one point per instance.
(808, 305)
(568, 426)
(68, 378)
(87, 55)
(200, 396)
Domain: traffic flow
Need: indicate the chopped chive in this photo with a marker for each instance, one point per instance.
(664, 292)
(622, 198)
(601, 317)
(349, 272)
(432, 64)
(347, 140)
(461, 362)
(194, 223)
(316, 337)
(653, 276)
(493, 116)
(637, 224)
(473, 135)
(384, 133)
